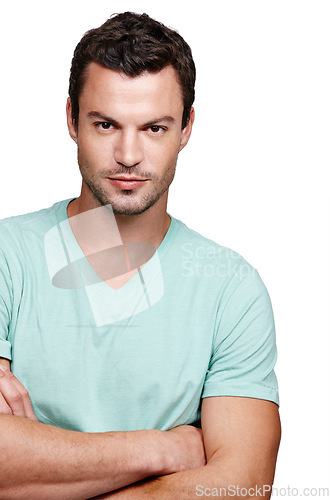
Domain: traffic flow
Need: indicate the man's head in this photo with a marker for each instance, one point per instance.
(134, 44)
(130, 112)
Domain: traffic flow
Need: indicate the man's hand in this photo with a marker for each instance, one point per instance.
(14, 398)
(186, 446)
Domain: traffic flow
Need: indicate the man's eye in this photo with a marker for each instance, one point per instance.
(104, 125)
(156, 129)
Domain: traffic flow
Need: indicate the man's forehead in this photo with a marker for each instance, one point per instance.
(150, 94)
(101, 79)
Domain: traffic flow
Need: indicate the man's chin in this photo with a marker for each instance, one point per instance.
(128, 203)
(131, 205)
(118, 207)
(128, 211)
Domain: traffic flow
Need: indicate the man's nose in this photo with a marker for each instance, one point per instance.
(128, 149)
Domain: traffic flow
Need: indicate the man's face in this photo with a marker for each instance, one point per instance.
(129, 128)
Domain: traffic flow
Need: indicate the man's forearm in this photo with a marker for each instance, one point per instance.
(42, 461)
(215, 477)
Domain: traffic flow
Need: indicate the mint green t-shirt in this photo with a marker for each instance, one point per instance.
(196, 321)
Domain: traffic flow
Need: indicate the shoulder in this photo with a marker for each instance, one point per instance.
(209, 257)
(33, 217)
(19, 228)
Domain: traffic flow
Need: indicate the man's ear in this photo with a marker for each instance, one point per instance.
(186, 132)
(72, 130)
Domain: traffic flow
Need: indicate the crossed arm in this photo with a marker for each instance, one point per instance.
(241, 439)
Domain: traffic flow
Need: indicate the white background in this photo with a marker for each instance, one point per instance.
(253, 178)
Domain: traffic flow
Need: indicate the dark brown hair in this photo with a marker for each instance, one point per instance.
(133, 43)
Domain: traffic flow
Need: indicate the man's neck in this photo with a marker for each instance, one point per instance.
(150, 226)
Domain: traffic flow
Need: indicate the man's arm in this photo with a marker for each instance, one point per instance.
(241, 437)
(46, 462)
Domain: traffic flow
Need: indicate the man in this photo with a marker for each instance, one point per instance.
(122, 325)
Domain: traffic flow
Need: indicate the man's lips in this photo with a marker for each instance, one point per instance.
(127, 183)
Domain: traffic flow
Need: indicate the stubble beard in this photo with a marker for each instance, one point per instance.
(126, 202)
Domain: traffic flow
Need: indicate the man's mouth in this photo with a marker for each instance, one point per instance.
(126, 183)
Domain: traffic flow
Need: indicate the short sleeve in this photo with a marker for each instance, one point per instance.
(244, 350)
(6, 301)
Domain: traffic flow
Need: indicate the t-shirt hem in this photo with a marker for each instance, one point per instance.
(255, 392)
(5, 349)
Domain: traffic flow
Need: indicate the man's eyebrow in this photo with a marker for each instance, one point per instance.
(162, 119)
(103, 118)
